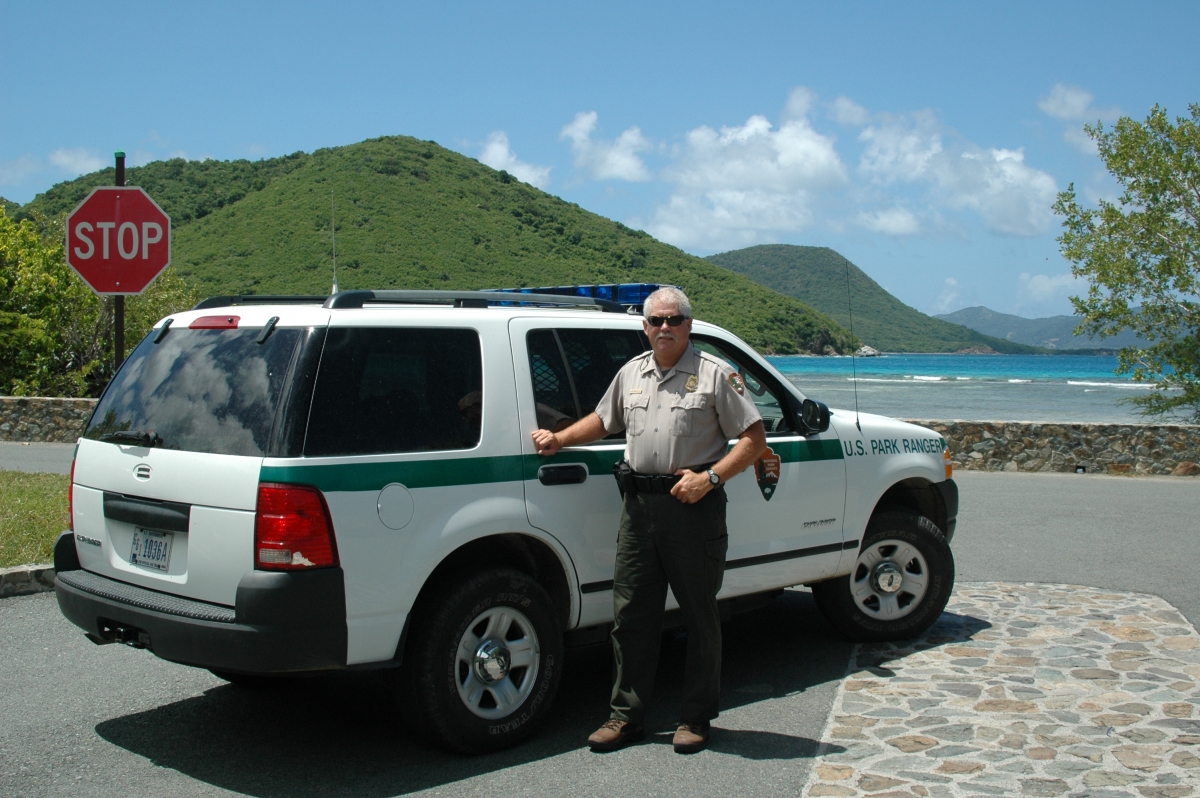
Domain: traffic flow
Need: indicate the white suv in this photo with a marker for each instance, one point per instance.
(280, 485)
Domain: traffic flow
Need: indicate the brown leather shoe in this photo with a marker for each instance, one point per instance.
(690, 737)
(616, 733)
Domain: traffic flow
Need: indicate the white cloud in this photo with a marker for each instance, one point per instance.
(848, 112)
(1013, 198)
(1074, 105)
(15, 171)
(77, 161)
(901, 148)
(747, 183)
(499, 155)
(948, 299)
(799, 102)
(892, 221)
(607, 160)
(1042, 288)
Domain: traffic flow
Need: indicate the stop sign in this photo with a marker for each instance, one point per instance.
(118, 240)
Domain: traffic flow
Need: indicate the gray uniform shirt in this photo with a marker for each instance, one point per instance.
(678, 419)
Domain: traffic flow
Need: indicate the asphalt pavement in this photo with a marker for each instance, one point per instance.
(53, 458)
(86, 720)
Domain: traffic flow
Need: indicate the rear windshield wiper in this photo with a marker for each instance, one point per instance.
(149, 439)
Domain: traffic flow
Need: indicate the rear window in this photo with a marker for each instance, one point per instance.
(214, 391)
(396, 390)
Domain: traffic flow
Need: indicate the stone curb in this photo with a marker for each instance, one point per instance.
(24, 580)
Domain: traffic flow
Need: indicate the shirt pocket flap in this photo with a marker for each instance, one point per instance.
(694, 401)
(638, 400)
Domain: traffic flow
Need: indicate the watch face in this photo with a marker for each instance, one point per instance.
(713, 478)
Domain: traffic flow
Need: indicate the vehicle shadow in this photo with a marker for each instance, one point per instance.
(344, 734)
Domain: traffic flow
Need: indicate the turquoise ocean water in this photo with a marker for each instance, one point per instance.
(1066, 388)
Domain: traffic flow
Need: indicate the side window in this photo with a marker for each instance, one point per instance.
(396, 390)
(766, 395)
(572, 368)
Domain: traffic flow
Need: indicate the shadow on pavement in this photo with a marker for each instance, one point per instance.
(343, 734)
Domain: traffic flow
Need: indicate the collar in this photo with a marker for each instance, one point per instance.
(686, 363)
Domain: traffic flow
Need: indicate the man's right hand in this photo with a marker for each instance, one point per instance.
(547, 442)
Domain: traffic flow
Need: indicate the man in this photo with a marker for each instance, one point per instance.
(679, 407)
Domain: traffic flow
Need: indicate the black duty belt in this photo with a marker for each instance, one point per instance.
(631, 481)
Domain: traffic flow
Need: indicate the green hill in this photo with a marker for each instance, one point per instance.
(1052, 332)
(817, 275)
(411, 214)
(10, 208)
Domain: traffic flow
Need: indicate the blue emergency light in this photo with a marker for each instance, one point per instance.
(629, 295)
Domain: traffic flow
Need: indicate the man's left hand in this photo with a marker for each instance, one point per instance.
(692, 486)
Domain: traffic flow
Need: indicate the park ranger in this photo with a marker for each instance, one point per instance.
(679, 407)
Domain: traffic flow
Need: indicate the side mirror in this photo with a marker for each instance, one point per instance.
(814, 415)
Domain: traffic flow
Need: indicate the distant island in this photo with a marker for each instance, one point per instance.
(1051, 332)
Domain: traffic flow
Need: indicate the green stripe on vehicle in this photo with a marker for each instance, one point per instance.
(410, 473)
(485, 470)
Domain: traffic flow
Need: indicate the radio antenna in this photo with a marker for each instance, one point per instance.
(853, 367)
(333, 234)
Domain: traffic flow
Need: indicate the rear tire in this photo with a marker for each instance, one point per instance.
(482, 667)
(900, 584)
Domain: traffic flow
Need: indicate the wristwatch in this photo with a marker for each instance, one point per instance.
(714, 477)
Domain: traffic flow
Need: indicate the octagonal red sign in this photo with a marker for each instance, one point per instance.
(118, 240)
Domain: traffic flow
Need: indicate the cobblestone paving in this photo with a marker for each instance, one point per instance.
(1024, 690)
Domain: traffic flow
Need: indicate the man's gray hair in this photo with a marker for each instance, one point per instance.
(669, 295)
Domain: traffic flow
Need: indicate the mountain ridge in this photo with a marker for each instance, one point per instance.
(819, 275)
(1051, 332)
(411, 214)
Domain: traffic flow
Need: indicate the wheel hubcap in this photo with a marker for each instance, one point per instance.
(496, 662)
(492, 661)
(887, 577)
(889, 580)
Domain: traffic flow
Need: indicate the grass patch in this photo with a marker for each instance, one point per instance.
(33, 510)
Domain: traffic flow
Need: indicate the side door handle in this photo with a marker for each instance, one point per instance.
(562, 474)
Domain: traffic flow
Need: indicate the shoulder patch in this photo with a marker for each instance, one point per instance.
(735, 380)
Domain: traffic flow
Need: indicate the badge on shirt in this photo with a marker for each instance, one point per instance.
(735, 380)
(635, 390)
(692, 384)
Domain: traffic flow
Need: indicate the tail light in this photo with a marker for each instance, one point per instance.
(71, 498)
(949, 465)
(292, 530)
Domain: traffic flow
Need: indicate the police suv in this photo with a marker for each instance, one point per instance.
(284, 485)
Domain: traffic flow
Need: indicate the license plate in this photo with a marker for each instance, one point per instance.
(151, 549)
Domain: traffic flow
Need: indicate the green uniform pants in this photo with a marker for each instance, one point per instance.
(662, 542)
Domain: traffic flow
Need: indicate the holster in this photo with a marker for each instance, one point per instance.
(624, 476)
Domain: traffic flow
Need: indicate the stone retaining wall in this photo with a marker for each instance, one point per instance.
(1098, 448)
(43, 419)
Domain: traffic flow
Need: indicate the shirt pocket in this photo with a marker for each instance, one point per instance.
(686, 415)
(635, 414)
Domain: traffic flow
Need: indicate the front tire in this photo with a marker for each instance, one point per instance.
(900, 584)
(481, 671)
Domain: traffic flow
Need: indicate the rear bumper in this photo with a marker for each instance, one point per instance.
(282, 622)
(949, 493)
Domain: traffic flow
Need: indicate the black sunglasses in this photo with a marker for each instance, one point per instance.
(672, 321)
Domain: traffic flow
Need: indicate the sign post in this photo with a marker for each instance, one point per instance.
(118, 242)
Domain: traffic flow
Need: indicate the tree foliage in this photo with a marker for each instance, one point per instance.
(55, 334)
(1140, 254)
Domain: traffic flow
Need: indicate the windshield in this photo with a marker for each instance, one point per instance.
(213, 391)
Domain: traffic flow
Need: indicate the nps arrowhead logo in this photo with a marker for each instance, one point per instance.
(767, 470)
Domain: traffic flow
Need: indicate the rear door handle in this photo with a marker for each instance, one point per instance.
(562, 474)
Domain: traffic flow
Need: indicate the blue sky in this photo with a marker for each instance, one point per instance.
(924, 141)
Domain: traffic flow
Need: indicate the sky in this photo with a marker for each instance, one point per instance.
(926, 142)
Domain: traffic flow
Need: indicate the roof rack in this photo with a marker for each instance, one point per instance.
(622, 298)
(465, 299)
(256, 299)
